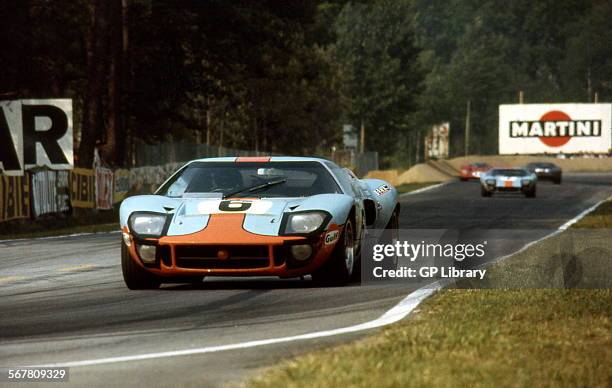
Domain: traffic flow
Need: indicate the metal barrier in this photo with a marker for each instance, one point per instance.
(360, 162)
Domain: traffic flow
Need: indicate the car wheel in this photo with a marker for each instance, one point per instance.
(463, 179)
(134, 276)
(557, 181)
(339, 269)
(484, 192)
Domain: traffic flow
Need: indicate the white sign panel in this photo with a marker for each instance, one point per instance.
(35, 133)
(436, 142)
(555, 128)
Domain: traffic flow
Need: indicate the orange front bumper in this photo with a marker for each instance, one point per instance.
(224, 232)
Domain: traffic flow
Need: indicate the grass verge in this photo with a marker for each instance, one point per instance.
(600, 218)
(408, 187)
(476, 338)
(484, 337)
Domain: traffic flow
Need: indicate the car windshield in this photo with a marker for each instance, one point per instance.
(542, 165)
(290, 179)
(508, 172)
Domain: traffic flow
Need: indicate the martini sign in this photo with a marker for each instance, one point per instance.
(554, 128)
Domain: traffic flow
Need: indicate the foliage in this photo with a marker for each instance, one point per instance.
(285, 77)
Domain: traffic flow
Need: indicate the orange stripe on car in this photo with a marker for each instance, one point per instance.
(255, 159)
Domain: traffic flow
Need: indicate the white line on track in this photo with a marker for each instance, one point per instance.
(56, 237)
(396, 313)
(421, 190)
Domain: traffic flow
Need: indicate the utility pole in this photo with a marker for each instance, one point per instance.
(467, 129)
(521, 97)
(208, 114)
(362, 138)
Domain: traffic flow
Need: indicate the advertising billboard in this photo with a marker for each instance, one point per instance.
(555, 128)
(436, 142)
(35, 133)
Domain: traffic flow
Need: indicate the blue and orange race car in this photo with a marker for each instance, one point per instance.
(253, 216)
(508, 180)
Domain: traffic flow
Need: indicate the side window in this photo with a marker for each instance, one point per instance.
(346, 181)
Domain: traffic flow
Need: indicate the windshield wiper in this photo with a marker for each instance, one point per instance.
(255, 188)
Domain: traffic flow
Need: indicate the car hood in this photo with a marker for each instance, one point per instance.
(261, 216)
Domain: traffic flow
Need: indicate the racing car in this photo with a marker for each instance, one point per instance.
(473, 171)
(516, 180)
(253, 216)
(545, 171)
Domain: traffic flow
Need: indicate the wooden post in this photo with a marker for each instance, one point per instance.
(362, 138)
(467, 129)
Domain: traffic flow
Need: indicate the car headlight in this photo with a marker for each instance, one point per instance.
(490, 182)
(305, 222)
(525, 182)
(147, 224)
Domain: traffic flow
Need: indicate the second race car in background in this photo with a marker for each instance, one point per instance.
(517, 180)
(545, 171)
(473, 171)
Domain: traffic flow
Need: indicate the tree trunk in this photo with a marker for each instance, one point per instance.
(96, 47)
(114, 129)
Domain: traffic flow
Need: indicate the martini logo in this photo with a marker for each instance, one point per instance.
(555, 128)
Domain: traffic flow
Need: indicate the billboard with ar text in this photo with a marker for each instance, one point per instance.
(555, 128)
(35, 133)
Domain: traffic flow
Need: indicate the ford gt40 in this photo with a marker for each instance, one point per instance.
(253, 216)
(516, 180)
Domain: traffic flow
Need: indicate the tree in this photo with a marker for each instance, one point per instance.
(375, 46)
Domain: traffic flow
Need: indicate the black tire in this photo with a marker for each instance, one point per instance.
(134, 276)
(463, 179)
(557, 181)
(484, 192)
(337, 271)
(531, 193)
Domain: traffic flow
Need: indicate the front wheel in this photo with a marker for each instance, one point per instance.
(484, 192)
(339, 268)
(135, 277)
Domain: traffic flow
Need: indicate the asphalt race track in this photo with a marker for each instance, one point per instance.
(63, 299)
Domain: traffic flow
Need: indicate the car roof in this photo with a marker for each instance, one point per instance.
(262, 159)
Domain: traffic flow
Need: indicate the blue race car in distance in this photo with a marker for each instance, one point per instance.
(253, 216)
(517, 180)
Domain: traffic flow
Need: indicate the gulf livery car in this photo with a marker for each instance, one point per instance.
(473, 171)
(516, 180)
(253, 216)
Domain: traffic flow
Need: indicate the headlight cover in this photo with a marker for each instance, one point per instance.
(147, 224)
(306, 222)
(490, 182)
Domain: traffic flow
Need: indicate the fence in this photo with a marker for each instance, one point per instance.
(43, 191)
(177, 152)
(360, 162)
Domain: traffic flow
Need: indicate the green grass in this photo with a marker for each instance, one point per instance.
(476, 338)
(408, 187)
(509, 337)
(600, 218)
